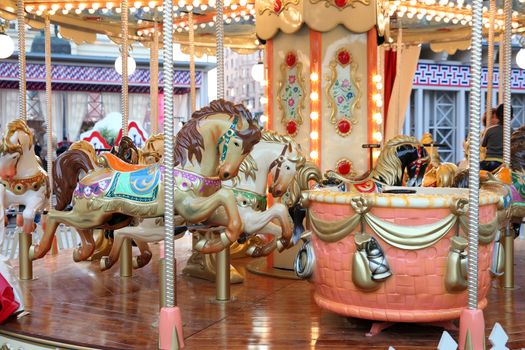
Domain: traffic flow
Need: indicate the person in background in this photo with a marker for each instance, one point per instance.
(493, 141)
(63, 146)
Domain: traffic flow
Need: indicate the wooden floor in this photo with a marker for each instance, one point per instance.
(77, 304)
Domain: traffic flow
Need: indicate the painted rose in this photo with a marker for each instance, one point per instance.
(291, 79)
(345, 83)
(340, 99)
(291, 102)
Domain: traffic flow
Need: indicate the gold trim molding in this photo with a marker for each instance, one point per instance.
(341, 4)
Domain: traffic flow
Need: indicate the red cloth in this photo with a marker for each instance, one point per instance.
(389, 77)
(8, 304)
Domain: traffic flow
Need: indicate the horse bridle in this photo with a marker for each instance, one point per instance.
(419, 162)
(278, 163)
(226, 137)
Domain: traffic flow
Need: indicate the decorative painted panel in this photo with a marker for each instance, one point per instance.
(291, 94)
(343, 91)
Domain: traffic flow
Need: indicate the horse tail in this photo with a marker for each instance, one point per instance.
(66, 170)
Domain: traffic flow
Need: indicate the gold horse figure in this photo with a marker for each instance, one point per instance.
(438, 174)
(208, 149)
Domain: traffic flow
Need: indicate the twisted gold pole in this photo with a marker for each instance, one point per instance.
(490, 58)
(501, 80)
(192, 62)
(222, 283)
(49, 125)
(154, 82)
(125, 253)
(124, 55)
(20, 15)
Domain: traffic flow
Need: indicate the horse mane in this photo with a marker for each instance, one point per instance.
(388, 167)
(300, 182)
(190, 143)
(248, 167)
(517, 150)
(12, 127)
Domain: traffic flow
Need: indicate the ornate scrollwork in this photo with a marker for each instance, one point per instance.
(343, 91)
(278, 6)
(341, 4)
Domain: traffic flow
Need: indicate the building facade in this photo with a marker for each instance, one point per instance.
(240, 85)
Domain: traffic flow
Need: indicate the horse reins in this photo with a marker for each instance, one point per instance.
(418, 163)
(226, 137)
(278, 163)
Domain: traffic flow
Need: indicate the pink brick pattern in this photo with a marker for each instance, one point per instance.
(416, 290)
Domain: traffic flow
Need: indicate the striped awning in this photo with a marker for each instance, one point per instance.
(88, 78)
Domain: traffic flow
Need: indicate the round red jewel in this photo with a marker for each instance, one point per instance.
(290, 59)
(277, 6)
(291, 127)
(344, 126)
(343, 57)
(343, 167)
(340, 3)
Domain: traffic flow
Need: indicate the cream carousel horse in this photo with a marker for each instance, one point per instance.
(208, 149)
(275, 155)
(25, 181)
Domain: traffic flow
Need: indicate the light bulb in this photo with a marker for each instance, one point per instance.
(377, 136)
(258, 72)
(377, 78)
(314, 154)
(314, 135)
(314, 115)
(520, 58)
(314, 76)
(314, 96)
(131, 65)
(7, 46)
(263, 118)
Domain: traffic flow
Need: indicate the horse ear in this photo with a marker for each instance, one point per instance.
(289, 146)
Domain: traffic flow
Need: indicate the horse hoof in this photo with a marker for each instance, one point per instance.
(76, 255)
(104, 263)
(254, 251)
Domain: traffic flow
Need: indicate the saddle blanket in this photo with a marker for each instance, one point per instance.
(140, 186)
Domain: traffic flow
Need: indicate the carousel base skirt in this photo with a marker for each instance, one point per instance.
(75, 306)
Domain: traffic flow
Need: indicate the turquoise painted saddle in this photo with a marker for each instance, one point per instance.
(139, 185)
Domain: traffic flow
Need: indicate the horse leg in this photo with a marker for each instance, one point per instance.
(198, 209)
(108, 261)
(258, 250)
(88, 245)
(145, 255)
(39, 250)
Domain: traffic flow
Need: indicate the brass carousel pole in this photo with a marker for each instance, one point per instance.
(508, 277)
(472, 324)
(126, 255)
(490, 58)
(222, 282)
(49, 125)
(154, 81)
(25, 240)
(170, 323)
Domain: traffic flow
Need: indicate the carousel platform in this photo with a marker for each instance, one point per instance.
(75, 306)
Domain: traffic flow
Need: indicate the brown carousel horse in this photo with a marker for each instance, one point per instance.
(208, 149)
(401, 154)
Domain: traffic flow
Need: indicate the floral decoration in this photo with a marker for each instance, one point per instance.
(343, 91)
(291, 94)
(341, 4)
(277, 6)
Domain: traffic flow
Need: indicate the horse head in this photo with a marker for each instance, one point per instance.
(229, 128)
(17, 142)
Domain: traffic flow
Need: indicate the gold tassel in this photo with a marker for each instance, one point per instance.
(456, 275)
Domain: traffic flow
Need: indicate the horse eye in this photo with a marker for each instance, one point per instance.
(287, 167)
(236, 144)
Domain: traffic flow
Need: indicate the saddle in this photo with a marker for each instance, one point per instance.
(118, 164)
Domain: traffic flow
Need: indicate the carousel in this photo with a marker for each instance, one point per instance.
(314, 225)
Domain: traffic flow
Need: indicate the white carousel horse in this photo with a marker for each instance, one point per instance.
(21, 174)
(277, 155)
